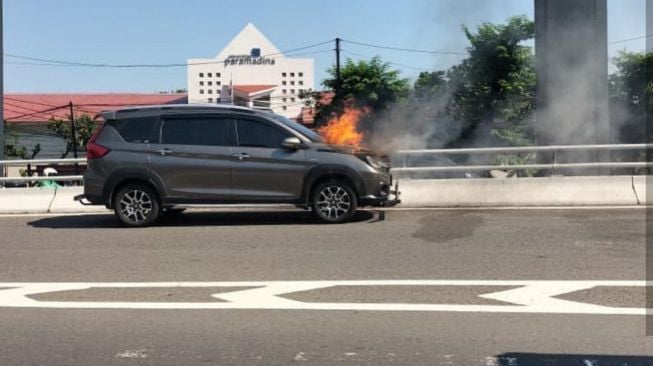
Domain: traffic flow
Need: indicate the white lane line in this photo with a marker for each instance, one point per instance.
(529, 297)
(139, 353)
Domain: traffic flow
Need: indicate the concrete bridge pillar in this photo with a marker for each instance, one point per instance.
(572, 71)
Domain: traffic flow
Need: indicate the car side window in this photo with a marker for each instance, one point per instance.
(202, 131)
(253, 133)
(137, 130)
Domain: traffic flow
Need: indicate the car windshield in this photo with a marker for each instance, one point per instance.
(310, 134)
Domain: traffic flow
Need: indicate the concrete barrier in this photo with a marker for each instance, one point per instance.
(25, 200)
(63, 202)
(509, 192)
(514, 192)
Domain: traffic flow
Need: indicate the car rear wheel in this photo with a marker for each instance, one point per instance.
(137, 205)
(334, 202)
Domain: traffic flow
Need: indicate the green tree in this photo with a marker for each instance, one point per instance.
(85, 125)
(487, 99)
(14, 150)
(494, 88)
(631, 99)
(430, 84)
(371, 84)
(631, 87)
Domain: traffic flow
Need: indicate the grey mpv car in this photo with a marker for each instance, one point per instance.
(148, 161)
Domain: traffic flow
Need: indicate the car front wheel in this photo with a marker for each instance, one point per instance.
(334, 202)
(137, 205)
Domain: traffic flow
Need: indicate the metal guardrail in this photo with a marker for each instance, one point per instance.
(486, 150)
(62, 178)
(58, 178)
(42, 161)
(523, 149)
(467, 168)
(552, 148)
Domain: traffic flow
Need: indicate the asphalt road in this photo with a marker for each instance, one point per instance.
(240, 249)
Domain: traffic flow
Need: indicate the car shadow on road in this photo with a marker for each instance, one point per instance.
(536, 359)
(203, 218)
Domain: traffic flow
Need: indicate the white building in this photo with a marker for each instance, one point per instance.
(251, 71)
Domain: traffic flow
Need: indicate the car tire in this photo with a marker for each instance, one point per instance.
(136, 205)
(334, 202)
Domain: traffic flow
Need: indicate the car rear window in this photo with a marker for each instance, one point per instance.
(196, 131)
(137, 130)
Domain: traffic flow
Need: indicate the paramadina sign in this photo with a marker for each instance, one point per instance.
(243, 60)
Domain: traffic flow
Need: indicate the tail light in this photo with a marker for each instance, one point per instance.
(93, 149)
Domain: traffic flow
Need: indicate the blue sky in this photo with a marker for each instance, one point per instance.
(170, 31)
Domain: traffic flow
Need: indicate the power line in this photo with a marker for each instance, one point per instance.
(21, 107)
(12, 110)
(161, 66)
(33, 63)
(433, 52)
(75, 106)
(35, 113)
(52, 62)
(29, 101)
(390, 62)
(631, 39)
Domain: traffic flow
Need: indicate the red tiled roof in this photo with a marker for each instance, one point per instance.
(42, 107)
(252, 89)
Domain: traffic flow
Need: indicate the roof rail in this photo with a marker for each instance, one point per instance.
(181, 107)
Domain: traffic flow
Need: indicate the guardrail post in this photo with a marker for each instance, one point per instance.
(29, 171)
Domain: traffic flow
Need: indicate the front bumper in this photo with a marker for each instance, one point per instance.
(388, 198)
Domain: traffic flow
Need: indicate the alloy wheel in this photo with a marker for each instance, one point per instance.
(334, 202)
(136, 206)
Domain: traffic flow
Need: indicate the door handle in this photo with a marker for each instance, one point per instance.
(165, 151)
(240, 155)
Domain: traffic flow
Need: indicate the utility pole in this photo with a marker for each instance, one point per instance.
(2, 94)
(73, 133)
(338, 80)
(648, 112)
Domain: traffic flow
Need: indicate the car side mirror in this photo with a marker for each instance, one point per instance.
(291, 143)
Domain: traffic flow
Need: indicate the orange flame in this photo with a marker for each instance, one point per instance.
(343, 130)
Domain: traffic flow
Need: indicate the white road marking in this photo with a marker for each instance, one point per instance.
(491, 361)
(530, 297)
(300, 357)
(139, 353)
